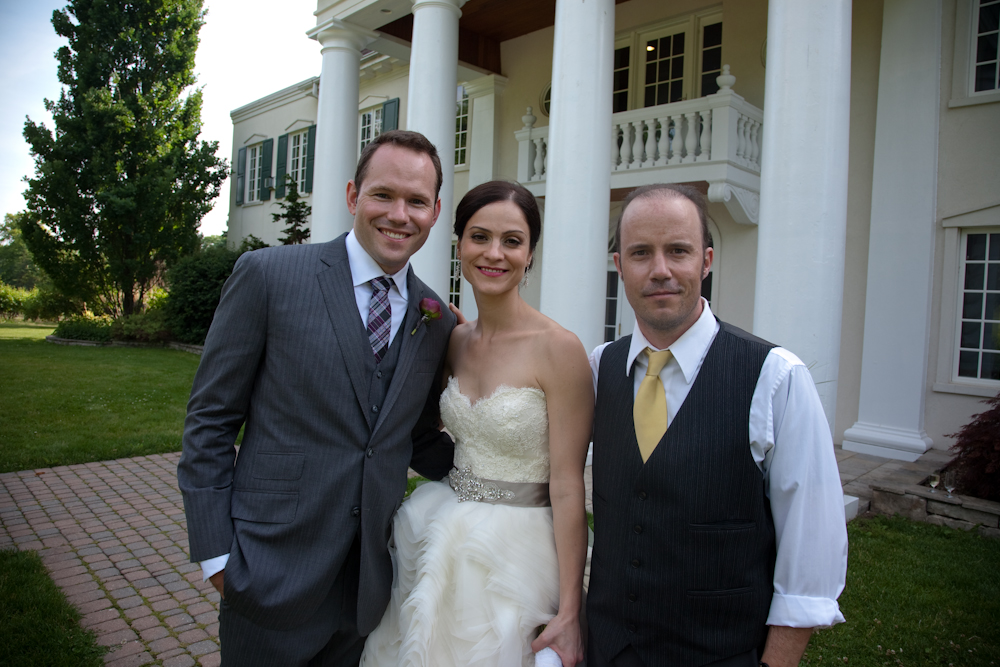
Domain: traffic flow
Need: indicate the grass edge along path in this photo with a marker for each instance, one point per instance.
(39, 627)
(916, 595)
(64, 404)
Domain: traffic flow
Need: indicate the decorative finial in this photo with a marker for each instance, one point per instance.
(528, 119)
(725, 80)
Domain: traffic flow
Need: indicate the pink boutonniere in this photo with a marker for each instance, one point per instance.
(430, 310)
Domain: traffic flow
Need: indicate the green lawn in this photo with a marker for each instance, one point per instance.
(65, 404)
(39, 628)
(916, 595)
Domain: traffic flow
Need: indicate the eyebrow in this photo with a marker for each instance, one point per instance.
(509, 231)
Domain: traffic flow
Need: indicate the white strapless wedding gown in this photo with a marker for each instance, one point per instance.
(473, 580)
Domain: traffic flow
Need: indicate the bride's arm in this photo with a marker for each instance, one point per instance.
(568, 386)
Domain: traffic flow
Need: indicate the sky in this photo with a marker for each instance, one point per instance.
(249, 49)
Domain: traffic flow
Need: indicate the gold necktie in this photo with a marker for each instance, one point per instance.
(650, 409)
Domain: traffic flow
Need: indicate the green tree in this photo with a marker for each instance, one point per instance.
(122, 183)
(17, 268)
(295, 213)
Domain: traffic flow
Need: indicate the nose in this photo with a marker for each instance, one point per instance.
(660, 268)
(397, 211)
(494, 251)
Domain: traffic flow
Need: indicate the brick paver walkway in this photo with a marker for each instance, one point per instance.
(114, 538)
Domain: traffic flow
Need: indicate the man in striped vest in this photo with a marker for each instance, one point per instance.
(718, 513)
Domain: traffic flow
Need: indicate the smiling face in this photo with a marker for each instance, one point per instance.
(396, 207)
(494, 248)
(662, 263)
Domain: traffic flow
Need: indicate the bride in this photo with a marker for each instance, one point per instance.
(483, 559)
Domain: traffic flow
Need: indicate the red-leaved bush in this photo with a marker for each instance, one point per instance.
(977, 454)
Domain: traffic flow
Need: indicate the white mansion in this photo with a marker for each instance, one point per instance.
(850, 152)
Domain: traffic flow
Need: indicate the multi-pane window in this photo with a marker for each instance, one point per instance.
(371, 125)
(255, 164)
(297, 151)
(979, 327)
(461, 126)
(611, 308)
(664, 82)
(455, 286)
(986, 47)
(620, 81)
(711, 57)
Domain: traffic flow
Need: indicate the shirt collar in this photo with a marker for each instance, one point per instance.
(364, 267)
(689, 350)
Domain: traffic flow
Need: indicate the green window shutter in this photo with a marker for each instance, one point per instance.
(265, 170)
(390, 114)
(310, 157)
(279, 176)
(241, 168)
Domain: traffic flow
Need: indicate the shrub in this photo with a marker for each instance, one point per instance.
(45, 303)
(195, 287)
(85, 327)
(147, 327)
(156, 299)
(11, 301)
(977, 453)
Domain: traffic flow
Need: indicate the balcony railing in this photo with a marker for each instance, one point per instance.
(716, 138)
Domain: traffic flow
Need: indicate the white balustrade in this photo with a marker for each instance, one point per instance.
(719, 128)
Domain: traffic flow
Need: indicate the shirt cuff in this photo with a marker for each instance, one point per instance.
(213, 566)
(799, 611)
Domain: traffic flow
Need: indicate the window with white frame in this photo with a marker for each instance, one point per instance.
(371, 125)
(255, 168)
(979, 321)
(455, 286)
(461, 127)
(298, 148)
(986, 47)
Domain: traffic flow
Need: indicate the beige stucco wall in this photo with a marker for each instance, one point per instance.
(866, 40)
(968, 165)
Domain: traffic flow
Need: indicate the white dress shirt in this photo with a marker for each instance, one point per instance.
(363, 269)
(791, 444)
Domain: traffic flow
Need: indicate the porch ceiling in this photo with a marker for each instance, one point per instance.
(487, 23)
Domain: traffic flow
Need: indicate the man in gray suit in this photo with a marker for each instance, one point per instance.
(324, 354)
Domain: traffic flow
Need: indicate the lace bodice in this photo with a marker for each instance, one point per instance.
(504, 436)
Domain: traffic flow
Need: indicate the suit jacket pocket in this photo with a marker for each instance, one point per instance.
(267, 465)
(264, 506)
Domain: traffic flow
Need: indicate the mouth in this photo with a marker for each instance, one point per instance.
(394, 235)
(491, 272)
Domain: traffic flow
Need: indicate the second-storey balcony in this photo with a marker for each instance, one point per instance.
(716, 139)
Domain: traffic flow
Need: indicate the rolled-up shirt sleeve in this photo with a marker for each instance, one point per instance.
(790, 439)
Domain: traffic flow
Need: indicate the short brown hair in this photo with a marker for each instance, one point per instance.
(693, 195)
(496, 191)
(414, 141)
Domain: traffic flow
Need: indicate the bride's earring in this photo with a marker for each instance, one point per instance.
(524, 281)
(458, 269)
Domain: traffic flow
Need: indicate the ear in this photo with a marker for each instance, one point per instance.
(352, 197)
(618, 265)
(437, 211)
(709, 256)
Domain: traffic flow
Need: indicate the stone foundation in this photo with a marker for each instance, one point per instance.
(919, 503)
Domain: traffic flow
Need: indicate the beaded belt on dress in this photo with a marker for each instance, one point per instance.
(469, 486)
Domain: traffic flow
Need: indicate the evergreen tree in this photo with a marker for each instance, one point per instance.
(16, 266)
(122, 184)
(295, 213)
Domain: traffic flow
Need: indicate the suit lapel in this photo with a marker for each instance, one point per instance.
(410, 344)
(338, 293)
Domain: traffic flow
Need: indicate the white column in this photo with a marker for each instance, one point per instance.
(798, 301)
(431, 111)
(484, 99)
(574, 266)
(901, 243)
(336, 148)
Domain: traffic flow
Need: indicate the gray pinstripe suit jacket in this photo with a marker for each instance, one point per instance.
(286, 356)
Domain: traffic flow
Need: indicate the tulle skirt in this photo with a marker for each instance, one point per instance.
(471, 583)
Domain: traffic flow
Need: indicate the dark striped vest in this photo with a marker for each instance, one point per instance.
(683, 558)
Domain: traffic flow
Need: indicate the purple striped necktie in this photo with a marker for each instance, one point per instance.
(379, 317)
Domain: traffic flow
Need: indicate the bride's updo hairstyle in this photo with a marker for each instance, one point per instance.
(493, 192)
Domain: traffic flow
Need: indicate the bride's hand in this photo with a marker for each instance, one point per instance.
(562, 635)
(458, 314)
